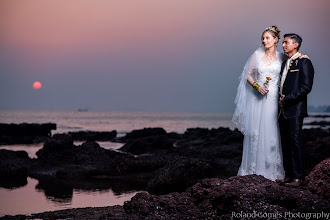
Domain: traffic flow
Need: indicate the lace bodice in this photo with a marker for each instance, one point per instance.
(258, 70)
(272, 70)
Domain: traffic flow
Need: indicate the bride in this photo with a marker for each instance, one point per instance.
(257, 108)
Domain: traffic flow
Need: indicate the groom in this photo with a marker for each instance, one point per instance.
(296, 83)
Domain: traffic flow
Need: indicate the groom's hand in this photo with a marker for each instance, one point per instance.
(282, 100)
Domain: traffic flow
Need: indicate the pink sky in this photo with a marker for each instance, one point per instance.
(195, 47)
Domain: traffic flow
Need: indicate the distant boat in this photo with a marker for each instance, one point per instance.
(82, 110)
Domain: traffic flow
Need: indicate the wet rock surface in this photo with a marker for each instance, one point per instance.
(218, 199)
(318, 180)
(93, 135)
(25, 133)
(209, 199)
(176, 167)
(14, 167)
(165, 163)
(316, 147)
(148, 145)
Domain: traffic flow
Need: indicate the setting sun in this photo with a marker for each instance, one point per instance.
(37, 85)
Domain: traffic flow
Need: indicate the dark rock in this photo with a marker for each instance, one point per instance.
(319, 116)
(221, 147)
(171, 206)
(14, 167)
(178, 175)
(60, 158)
(221, 199)
(205, 137)
(318, 180)
(58, 150)
(143, 133)
(252, 195)
(316, 147)
(199, 153)
(25, 133)
(320, 123)
(93, 135)
(160, 168)
(148, 145)
(199, 132)
(77, 213)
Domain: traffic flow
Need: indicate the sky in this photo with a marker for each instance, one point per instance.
(164, 55)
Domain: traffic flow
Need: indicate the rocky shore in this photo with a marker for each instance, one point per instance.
(184, 175)
(25, 133)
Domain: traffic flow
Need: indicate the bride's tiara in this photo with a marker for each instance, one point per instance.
(271, 28)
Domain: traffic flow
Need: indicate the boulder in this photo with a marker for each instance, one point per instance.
(159, 144)
(178, 175)
(316, 147)
(318, 181)
(244, 197)
(143, 133)
(58, 150)
(14, 167)
(93, 135)
(25, 133)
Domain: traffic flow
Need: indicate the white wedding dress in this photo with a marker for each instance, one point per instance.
(256, 117)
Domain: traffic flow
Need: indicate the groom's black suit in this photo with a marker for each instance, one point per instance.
(298, 83)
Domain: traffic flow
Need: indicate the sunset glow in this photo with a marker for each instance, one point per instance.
(37, 85)
(175, 54)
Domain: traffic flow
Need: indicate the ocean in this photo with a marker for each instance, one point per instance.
(122, 121)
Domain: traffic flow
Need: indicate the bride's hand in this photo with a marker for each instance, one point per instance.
(263, 90)
(304, 56)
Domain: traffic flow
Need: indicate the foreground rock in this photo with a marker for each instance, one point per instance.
(196, 155)
(318, 180)
(316, 147)
(70, 214)
(14, 167)
(25, 133)
(167, 162)
(178, 175)
(254, 196)
(221, 199)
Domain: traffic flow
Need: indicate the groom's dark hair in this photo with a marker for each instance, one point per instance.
(295, 38)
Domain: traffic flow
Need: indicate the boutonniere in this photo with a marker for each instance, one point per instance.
(296, 62)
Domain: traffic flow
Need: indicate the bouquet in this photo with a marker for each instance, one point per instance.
(267, 83)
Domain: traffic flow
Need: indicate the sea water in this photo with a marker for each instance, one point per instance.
(122, 121)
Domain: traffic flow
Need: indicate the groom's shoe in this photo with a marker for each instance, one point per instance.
(295, 183)
(285, 180)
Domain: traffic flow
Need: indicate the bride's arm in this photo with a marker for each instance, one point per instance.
(261, 90)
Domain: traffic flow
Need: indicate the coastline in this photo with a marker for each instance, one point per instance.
(169, 166)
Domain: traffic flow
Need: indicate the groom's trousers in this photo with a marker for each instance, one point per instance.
(292, 146)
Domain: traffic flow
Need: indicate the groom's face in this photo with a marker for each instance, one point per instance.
(289, 45)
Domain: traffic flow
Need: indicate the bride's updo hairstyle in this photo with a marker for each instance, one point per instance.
(274, 31)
